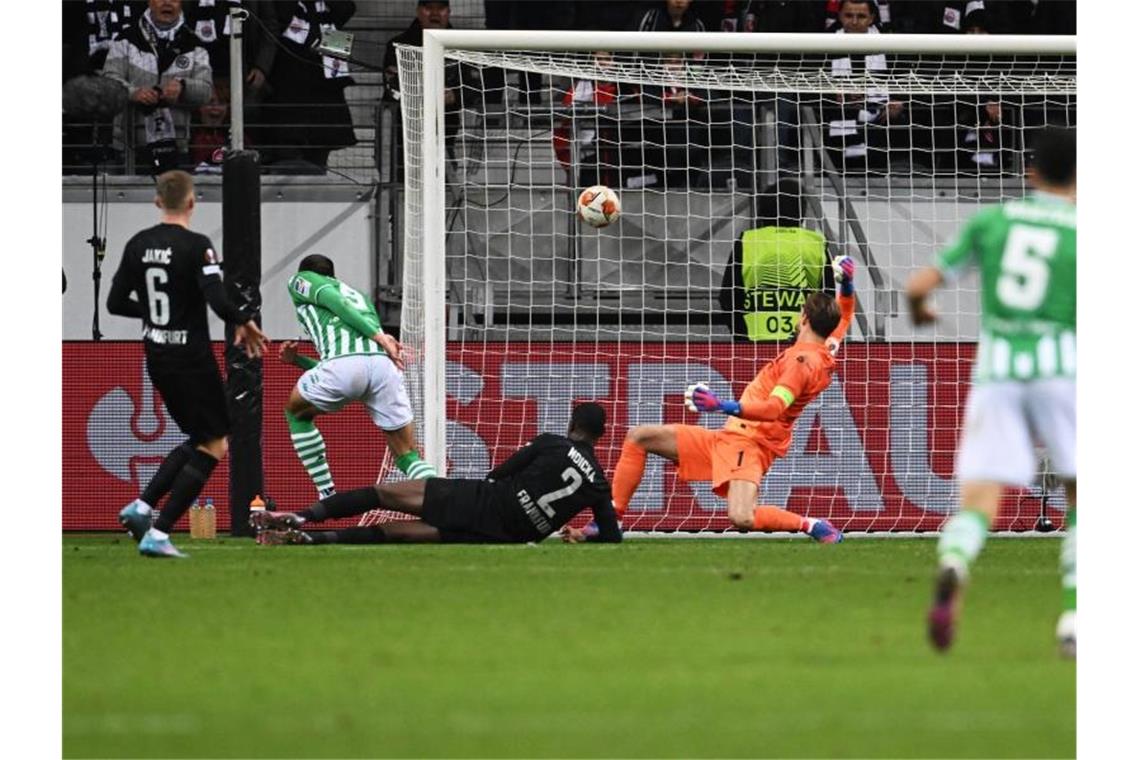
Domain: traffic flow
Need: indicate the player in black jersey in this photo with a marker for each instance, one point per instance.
(174, 273)
(539, 489)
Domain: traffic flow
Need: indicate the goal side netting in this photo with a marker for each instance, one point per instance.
(722, 148)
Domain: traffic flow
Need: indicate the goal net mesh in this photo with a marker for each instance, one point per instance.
(880, 157)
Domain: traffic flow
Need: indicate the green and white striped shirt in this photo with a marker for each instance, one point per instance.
(1026, 251)
(337, 317)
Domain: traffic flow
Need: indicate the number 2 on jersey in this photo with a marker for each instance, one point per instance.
(1024, 266)
(157, 301)
(571, 476)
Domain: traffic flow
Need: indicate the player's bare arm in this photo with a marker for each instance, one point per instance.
(392, 347)
(918, 289)
(251, 338)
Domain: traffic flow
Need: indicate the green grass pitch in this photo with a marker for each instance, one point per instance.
(653, 648)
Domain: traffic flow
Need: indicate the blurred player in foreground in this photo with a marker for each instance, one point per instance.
(174, 273)
(359, 362)
(759, 427)
(1024, 381)
(539, 489)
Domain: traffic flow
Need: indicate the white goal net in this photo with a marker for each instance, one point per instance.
(874, 147)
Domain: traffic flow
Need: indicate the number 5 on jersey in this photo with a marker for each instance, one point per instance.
(1024, 276)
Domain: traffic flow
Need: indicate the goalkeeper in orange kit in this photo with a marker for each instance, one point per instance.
(759, 426)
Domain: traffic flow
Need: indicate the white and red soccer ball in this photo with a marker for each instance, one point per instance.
(598, 206)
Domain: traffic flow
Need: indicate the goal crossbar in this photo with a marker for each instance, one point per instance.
(718, 42)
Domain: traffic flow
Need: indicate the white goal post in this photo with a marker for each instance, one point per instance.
(890, 219)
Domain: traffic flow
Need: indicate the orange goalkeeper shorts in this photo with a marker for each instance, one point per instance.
(719, 456)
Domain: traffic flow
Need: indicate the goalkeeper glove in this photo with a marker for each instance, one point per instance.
(844, 269)
(698, 398)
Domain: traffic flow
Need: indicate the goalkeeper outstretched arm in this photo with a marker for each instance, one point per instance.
(844, 269)
(698, 398)
(819, 324)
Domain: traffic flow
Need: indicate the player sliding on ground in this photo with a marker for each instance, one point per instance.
(1024, 381)
(759, 427)
(535, 492)
(359, 362)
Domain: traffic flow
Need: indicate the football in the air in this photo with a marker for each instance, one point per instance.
(598, 206)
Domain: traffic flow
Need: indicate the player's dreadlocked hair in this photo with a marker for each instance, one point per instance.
(822, 313)
(317, 264)
(590, 418)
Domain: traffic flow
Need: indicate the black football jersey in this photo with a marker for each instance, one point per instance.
(168, 267)
(549, 481)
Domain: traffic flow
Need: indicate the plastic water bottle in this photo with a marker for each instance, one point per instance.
(195, 520)
(255, 506)
(210, 520)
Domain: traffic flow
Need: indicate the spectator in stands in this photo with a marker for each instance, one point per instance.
(880, 10)
(210, 20)
(945, 17)
(773, 268)
(430, 14)
(305, 106)
(462, 84)
(761, 15)
(672, 112)
(595, 133)
(855, 126)
(985, 141)
(1012, 16)
(521, 14)
(88, 29)
(167, 75)
(211, 131)
(675, 147)
(608, 16)
(1037, 17)
(669, 16)
(749, 16)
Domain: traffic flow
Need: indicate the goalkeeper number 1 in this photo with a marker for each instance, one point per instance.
(759, 426)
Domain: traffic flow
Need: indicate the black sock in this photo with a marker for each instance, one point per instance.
(345, 504)
(187, 485)
(370, 535)
(373, 534)
(160, 484)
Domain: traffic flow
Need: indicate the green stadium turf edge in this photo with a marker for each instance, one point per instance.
(778, 648)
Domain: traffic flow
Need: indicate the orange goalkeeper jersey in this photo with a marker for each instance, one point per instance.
(797, 375)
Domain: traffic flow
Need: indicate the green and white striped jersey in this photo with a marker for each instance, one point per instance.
(338, 318)
(1026, 253)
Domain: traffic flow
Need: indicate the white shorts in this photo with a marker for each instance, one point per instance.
(371, 379)
(1005, 420)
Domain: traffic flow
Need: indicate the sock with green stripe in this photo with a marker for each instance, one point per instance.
(310, 448)
(1069, 562)
(962, 539)
(415, 468)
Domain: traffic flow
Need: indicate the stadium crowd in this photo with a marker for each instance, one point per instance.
(147, 84)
